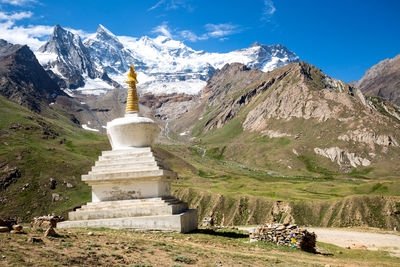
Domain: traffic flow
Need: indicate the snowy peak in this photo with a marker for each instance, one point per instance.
(65, 56)
(268, 57)
(104, 35)
(61, 41)
(102, 29)
(108, 53)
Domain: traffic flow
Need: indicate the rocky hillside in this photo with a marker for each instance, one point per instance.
(23, 80)
(383, 80)
(295, 118)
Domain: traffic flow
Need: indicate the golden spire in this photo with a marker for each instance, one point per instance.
(132, 103)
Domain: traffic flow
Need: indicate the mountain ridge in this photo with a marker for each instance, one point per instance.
(163, 65)
(318, 119)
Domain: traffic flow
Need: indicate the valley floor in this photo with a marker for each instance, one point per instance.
(205, 247)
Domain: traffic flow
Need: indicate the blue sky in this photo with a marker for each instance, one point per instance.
(343, 38)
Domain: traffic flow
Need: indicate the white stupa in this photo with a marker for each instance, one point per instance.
(129, 189)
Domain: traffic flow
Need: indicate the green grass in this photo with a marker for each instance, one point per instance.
(64, 155)
(233, 179)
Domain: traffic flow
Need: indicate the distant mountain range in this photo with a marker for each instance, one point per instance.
(164, 65)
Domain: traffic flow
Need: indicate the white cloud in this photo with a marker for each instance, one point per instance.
(163, 29)
(18, 2)
(268, 10)
(191, 36)
(31, 35)
(159, 3)
(219, 31)
(172, 4)
(15, 16)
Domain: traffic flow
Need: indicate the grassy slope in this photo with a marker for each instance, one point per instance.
(37, 147)
(206, 247)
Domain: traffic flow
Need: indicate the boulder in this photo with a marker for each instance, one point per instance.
(4, 229)
(17, 227)
(50, 232)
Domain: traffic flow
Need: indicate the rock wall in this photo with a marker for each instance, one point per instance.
(341, 156)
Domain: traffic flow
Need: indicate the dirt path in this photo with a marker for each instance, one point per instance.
(348, 238)
(356, 239)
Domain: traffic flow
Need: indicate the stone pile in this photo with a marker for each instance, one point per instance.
(285, 234)
(49, 221)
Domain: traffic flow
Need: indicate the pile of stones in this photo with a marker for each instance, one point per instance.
(285, 234)
(45, 222)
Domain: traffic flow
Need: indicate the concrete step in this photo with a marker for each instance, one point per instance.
(127, 167)
(129, 156)
(183, 222)
(128, 204)
(132, 155)
(135, 150)
(131, 206)
(125, 161)
(133, 164)
(126, 175)
(98, 212)
(136, 200)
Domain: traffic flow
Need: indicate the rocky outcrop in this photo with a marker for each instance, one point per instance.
(8, 176)
(367, 136)
(23, 80)
(341, 156)
(383, 79)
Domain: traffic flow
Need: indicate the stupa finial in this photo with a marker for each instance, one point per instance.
(132, 102)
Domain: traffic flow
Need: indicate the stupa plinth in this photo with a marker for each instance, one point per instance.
(129, 189)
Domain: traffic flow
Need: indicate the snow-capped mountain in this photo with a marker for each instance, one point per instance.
(108, 53)
(163, 65)
(66, 56)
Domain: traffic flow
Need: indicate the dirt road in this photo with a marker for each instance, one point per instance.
(350, 238)
(356, 239)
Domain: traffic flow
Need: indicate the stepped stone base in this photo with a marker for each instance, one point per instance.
(129, 190)
(182, 222)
